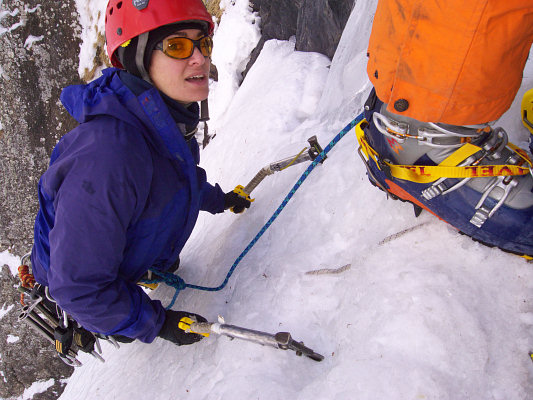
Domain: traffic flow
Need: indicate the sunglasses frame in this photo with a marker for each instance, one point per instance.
(162, 45)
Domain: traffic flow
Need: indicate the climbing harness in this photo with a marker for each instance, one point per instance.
(44, 316)
(179, 284)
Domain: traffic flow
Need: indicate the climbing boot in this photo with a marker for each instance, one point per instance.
(468, 176)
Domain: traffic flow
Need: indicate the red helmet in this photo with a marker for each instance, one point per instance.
(126, 19)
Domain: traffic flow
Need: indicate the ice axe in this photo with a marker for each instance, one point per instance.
(307, 154)
(280, 340)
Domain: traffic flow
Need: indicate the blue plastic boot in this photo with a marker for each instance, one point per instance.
(497, 211)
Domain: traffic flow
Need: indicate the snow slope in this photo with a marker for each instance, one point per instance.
(423, 314)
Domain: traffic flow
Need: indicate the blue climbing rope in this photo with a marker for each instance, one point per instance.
(179, 284)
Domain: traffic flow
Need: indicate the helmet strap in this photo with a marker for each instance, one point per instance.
(139, 56)
(120, 54)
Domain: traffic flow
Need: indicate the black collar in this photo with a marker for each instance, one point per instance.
(187, 116)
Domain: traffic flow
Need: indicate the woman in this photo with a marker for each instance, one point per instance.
(123, 190)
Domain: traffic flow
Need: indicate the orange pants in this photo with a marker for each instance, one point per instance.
(452, 61)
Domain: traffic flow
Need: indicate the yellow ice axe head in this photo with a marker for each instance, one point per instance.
(185, 325)
(239, 189)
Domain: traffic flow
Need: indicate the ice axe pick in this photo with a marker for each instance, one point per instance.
(307, 154)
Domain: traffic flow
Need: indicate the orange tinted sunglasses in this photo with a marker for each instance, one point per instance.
(182, 47)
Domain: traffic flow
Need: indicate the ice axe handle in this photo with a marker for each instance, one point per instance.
(313, 152)
(281, 340)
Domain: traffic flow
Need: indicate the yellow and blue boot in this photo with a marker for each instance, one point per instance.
(469, 176)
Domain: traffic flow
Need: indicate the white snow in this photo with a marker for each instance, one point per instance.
(12, 339)
(5, 309)
(11, 28)
(231, 53)
(30, 40)
(4, 13)
(13, 262)
(92, 21)
(35, 388)
(425, 314)
(31, 10)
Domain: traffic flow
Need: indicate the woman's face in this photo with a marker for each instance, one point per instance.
(182, 80)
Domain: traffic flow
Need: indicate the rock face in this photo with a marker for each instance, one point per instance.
(25, 356)
(39, 55)
(320, 25)
(39, 44)
(316, 24)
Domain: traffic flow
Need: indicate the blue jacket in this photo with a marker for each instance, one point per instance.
(121, 195)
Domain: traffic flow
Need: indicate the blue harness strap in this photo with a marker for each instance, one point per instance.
(179, 284)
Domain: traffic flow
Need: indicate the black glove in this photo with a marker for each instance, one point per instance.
(232, 199)
(123, 339)
(172, 333)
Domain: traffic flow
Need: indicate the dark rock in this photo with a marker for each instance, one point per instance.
(320, 25)
(316, 24)
(279, 20)
(29, 359)
(278, 17)
(40, 45)
(32, 119)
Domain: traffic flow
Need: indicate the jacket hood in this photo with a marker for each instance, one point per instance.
(103, 96)
(125, 97)
(116, 93)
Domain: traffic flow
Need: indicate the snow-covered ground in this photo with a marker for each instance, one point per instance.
(426, 314)
(10, 260)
